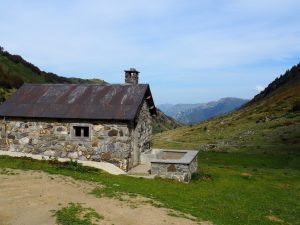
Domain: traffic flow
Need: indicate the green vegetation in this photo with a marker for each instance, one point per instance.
(14, 71)
(270, 121)
(230, 188)
(6, 93)
(163, 122)
(75, 214)
(5, 171)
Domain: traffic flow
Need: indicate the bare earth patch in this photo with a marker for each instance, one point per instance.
(29, 197)
(274, 219)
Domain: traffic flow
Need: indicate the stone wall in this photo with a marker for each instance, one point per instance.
(176, 171)
(142, 134)
(108, 142)
(117, 142)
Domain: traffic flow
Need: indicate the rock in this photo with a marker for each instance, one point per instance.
(95, 142)
(81, 149)
(186, 178)
(105, 156)
(49, 153)
(42, 131)
(113, 132)
(27, 150)
(59, 129)
(17, 124)
(24, 141)
(111, 147)
(25, 134)
(58, 146)
(123, 139)
(69, 148)
(34, 141)
(171, 168)
(98, 127)
(12, 148)
(96, 158)
(73, 155)
(80, 153)
(61, 138)
(37, 151)
(88, 156)
(82, 158)
(11, 136)
(63, 154)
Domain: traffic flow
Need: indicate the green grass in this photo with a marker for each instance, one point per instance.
(18, 70)
(229, 188)
(271, 123)
(229, 132)
(75, 214)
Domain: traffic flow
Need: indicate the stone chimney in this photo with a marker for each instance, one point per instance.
(132, 76)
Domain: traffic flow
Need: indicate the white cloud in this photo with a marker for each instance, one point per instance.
(191, 43)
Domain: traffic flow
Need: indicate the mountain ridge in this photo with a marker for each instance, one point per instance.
(195, 113)
(269, 122)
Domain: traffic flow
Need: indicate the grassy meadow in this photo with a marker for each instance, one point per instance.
(229, 188)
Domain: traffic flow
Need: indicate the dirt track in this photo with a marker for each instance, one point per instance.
(27, 198)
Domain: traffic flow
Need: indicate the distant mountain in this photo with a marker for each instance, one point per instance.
(162, 122)
(269, 122)
(195, 113)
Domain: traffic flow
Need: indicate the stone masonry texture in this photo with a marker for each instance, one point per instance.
(118, 142)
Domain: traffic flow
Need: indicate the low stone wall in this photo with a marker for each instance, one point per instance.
(107, 142)
(180, 170)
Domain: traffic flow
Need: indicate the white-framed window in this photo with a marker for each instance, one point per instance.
(81, 131)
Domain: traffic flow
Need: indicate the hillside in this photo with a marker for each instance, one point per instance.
(270, 121)
(195, 113)
(14, 71)
(162, 122)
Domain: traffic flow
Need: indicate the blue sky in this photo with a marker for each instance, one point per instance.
(190, 51)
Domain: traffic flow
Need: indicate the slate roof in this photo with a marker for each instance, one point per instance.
(78, 101)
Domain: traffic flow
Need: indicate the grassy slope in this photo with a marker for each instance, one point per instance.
(14, 71)
(264, 124)
(163, 122)
(17, 71)
(230, 188)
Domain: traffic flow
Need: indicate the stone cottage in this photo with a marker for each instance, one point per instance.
(110, 122)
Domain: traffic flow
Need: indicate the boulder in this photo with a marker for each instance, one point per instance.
(73, 155)
(49, 153)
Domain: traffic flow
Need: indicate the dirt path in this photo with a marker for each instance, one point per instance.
(27, 198)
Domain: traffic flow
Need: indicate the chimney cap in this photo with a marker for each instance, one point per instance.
(132, 70)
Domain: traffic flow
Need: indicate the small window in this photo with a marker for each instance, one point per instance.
(86, 132)
(81, 131)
